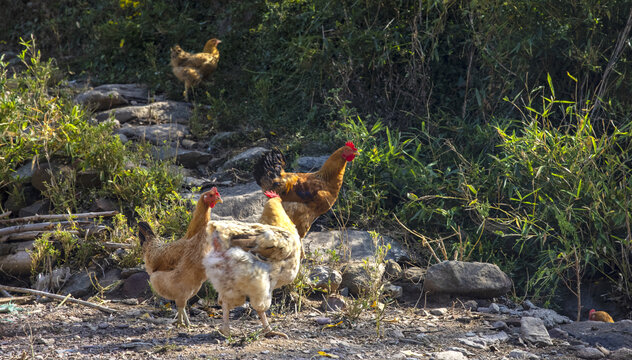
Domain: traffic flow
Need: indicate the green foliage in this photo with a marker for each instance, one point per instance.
(444, 98)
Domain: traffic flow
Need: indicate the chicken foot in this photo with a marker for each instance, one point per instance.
(182, 318)
(267, 329)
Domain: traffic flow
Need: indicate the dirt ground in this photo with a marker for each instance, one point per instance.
(144, 331)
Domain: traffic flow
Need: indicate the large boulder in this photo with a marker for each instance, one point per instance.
(241, 202)
(612, 336)
(352, 245)
(472, 279)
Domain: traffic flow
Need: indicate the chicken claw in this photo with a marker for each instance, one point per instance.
(182, 318)
(267, 329)
(272, 333)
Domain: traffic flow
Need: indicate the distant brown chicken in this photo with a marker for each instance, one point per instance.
(599, 316)
(191, 69)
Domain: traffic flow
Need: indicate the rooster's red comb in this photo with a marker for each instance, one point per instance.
(271, 194)
(350, 144)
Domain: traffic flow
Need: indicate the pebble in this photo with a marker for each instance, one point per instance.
(621, 354)
(558, 333)
(494, 308)
(500, 325)
(322, 320)
(529, 305)
(470, 305)
(448, 355)
(103, 325)
(397, 334)
(590, 353)
(521, 354)
(438, 311)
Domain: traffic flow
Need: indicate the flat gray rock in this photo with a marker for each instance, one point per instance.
(241, 202)
(310, 163)
(533, 330)
(473, 279)
(448, 355)
(187, 158)
(548, 316)
(356, 244)
(612, 336)
(131, 92)
(100, 99)
(156, 134)
(157, 113)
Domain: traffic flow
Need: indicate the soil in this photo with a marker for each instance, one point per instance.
(144, 331)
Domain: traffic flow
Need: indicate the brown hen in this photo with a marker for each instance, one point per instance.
(175, 269)
(191, 69)
(305, 196)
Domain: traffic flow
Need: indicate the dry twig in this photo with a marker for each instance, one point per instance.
(58, 297)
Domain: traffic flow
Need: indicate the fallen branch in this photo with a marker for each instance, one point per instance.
(5, 214)
(30, 235)
(17, 299)
(58, 297)
(26, 219)
(36, 227)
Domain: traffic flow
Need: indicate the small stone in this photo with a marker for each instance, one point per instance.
(621, 354)
(397, 334)
(448, 355)
(323, 277)
(334, 303)
(494, 308)
(438, 311)
(590, 353)
(558, 333)
(103, 325)
(393, 291)
(500, 325)
(470, 305)
(414, 274)
(131, 301)
(392, 271)
(521, 354)
(265, 352)
(529, 305)
(322, 320)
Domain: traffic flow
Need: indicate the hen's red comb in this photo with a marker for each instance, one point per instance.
(214, 190)
(271, 194)
(350, 144)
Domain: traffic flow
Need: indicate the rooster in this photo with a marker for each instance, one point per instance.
(175, 268)
(191, 69)
(599, 316)
(252, 259)
(305, 196)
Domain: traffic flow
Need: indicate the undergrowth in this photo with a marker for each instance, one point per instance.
(464, 138)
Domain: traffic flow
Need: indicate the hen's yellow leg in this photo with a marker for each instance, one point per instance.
(225, 329)
(267, 329)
